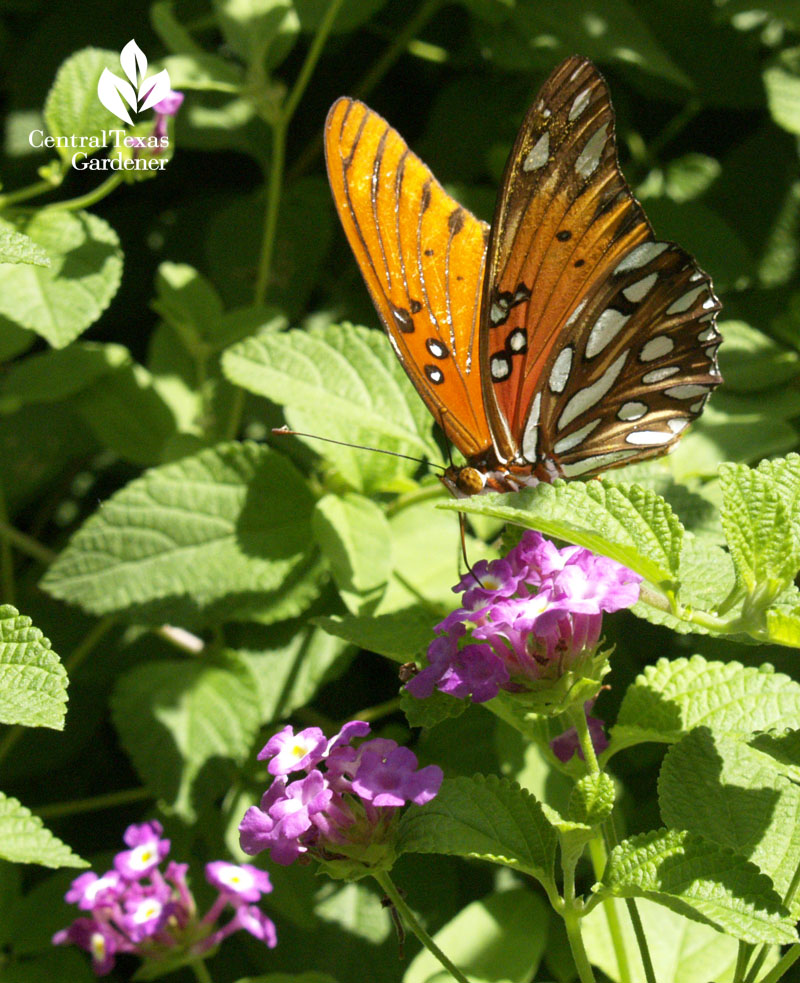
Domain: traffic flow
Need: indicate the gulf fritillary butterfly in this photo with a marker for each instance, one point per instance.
(563, 341)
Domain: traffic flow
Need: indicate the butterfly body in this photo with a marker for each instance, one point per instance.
(562, 341)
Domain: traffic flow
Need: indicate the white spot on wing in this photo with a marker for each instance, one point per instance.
(636, 291)
(530, 437)
(560, 371)
(689, 391)
(648, 438)
(500, 368)
(596, 462)
(640, 256)
(576, 313)
(633, 410)
(580, 103)
(586, 398)
(538, 156)
(698, 406)
(707, 333)
(567, 443)
(604, 330)
(589, 158)
(656, 348)
(678, 424)
(516, 340)
(684, 303)
(659, 375)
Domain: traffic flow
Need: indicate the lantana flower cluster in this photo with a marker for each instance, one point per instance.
(531, 616)
(344, 809)
(135, 908)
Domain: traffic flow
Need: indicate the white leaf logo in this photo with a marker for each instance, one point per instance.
(140, 93)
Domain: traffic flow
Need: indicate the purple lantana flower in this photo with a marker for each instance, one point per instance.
(136, 908)
(342, 809)
(533, 615)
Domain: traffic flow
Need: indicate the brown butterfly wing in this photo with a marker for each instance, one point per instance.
(598, 342)
(422, 256)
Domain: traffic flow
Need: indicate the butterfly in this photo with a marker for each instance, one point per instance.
(561, 341)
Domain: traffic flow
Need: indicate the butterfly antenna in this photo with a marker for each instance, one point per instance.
(286, 432)
(462, 519)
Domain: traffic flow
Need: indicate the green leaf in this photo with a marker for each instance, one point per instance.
(784, 476)
(13, 339)
(784, 751)
(433, 710)
(765, 551)
(230, 520)
(48, 377)
(60, 301)
(401, 635)
(252, 27)
(185, 724)
(202, 72)
(127, 413)
(731, 794)
(749, 360)
(33, 683)
(683, 951)
(354, 536)
(24, 840)
(701, 880)
(15, 247)
(782, 83)
(187, 301)
(350, 16)
(345, 383)
(72, 106)
(500, 937)
(592, 799)
(485, 817)
(628, 523)
(289, 662)
(606, 30)
(671, 698)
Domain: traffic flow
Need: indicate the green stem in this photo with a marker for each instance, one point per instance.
(372, 77)
(410, 499)
(578, 717)
(87, 643)
(278, 154)
(25, 543)
(274, 182)
(31, 191)
(572, 923)
(745, 950)
(201, 971)
(7, 585)
(401, 41)
(108, 801)
(235, 418)
(758, 962)
(789, 959)
(90, 198)
(379, 710)
(597, 852)
(408, 917)
(633, 912)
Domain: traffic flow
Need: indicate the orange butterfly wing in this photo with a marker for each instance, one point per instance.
(598, 343)
(422, 256)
